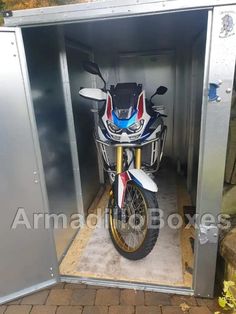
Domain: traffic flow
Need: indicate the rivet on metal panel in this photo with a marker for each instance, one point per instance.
(228, 90)
(36, 181)
(218, 99)
(220, 82)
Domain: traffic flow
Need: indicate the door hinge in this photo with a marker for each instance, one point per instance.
(208, 234)
(36, 177)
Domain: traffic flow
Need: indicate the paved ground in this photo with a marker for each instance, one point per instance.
(82, 299)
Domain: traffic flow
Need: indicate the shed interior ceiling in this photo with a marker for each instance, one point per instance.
(156, 32)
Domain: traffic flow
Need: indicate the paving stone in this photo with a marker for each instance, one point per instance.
(43, 309)
(18, 309)
(107, 297)
(212, 304)
(96, 309)
(83, 297)
(199, 310)
(172, 310)
(59, 297)
(38, 298)
(71, 309)
(124, 309)
(156, 298)
(15, 302)
(180, 299)
(148, 309)
(59, 285)
(75, 286)
(131, 297)
(2, 308)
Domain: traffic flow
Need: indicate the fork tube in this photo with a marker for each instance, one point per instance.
(119, 159)
(138, 158)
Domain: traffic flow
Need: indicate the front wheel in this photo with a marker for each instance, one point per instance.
(134, 229)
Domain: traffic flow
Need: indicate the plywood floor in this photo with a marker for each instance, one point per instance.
(92, 254)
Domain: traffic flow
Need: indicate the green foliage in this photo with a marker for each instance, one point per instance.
(2, 4)
(2, 7)
(227, 302)
(29, 4)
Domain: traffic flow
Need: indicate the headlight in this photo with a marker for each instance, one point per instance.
(112, 127)
(137, 126)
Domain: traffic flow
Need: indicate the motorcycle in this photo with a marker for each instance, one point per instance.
(130, 137)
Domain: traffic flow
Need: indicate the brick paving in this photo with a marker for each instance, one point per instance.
(83, 299)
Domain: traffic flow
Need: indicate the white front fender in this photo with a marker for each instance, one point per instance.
(136, 175)
(142, 179)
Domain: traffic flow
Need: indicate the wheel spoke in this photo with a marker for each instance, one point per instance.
(130, 234)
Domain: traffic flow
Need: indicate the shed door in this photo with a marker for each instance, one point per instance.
(219, 73)
(28, 257)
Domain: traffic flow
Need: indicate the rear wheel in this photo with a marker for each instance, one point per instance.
(135, 228)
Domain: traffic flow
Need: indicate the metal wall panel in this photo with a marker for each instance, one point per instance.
(181, 106)
(195, 110)
(28, 257)
(219, 69)
(42, 51)
(84, 124)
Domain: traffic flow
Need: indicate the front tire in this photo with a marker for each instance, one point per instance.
(135, 228)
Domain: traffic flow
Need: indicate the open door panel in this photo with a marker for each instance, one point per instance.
(28, 257)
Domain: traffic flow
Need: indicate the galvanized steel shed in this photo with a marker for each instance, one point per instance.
(48, 159)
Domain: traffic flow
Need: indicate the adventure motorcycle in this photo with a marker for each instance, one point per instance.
(130, 137)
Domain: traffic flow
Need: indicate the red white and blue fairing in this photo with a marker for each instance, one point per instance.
(127, 117)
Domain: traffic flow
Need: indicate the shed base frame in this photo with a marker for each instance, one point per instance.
(128, 285)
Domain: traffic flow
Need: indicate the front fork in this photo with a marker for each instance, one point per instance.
(119, 159)
(122, 178)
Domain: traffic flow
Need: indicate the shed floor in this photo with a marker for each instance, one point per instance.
(92, 254)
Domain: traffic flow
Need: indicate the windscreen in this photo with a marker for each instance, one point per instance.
(125, 98)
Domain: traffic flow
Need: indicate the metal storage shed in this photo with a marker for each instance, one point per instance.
(44, 163)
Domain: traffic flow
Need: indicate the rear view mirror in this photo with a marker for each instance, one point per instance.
(93, 93)
(161, 90)
(91, 68)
